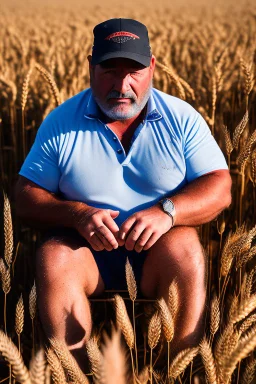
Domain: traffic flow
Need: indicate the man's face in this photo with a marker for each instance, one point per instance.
(121, 87)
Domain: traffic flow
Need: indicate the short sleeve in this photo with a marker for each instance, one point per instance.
(41, 163)
(202, 153)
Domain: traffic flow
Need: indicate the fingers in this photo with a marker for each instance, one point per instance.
(143, 239)
(107, 238)
(96, 243)
(134, 235)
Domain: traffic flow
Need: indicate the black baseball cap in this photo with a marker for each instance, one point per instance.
(126, 38)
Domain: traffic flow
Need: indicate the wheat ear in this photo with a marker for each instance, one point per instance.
(58, 374)
(96, 360)
(123, 321)
(239, 130)
(167, 320)
(246, 345)
(11, 353)
(114, 359)
(181, 361)
(214, 315)
(249, 373)
(8, 231)
(173, 299)
(68, 361)
(132, 289)
(25, 87)
(208, 360)
(19, 318)
(50, 80)
(246, 307)
(37, 367)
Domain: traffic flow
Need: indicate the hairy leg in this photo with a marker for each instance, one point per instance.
(179, 254)
(66, 274)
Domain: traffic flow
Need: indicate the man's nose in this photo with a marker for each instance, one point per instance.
(122, 84)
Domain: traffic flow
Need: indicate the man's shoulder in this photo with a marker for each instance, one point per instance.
(71, 108)
(169, 104)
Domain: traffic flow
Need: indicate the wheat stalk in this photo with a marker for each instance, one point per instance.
(12, 355)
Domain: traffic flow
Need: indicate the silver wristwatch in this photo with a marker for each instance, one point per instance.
(169, 208)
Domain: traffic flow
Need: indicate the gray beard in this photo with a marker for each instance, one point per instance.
(115, 112)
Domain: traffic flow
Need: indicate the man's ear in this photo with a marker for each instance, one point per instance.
(89, 58)
(152, 63)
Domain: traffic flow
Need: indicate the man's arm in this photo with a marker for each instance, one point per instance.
(203, 199)
(197, 203)
(42, 209)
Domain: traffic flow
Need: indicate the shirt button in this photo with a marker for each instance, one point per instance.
(114, 138)
(119, 151)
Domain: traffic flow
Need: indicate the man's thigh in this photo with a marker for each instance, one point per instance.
(111, 264)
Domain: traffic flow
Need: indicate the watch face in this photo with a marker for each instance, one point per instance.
(168, 206)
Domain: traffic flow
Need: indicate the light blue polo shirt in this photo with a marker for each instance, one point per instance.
(78, 157)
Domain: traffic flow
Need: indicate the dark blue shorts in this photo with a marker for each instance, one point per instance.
(111, 264)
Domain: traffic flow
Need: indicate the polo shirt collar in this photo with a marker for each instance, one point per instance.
(92, 109)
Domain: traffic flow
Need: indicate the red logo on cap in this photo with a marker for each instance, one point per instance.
(121, 37)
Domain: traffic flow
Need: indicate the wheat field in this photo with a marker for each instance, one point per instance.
(206, 55)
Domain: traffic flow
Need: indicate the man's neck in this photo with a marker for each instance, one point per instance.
(123, 125)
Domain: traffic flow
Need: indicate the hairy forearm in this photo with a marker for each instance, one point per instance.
(203, 199)
(41, 209)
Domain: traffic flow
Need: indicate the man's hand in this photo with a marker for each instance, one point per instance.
(98, 228)
(142, 229)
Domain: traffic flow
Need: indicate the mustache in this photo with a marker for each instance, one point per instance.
(116, 95)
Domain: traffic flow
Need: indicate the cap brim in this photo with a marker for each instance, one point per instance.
(144, 60)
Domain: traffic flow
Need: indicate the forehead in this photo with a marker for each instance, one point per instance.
(121, 63)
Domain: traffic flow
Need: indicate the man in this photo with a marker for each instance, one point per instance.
(121, 169)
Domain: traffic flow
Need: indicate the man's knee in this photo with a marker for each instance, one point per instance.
(181, 247)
